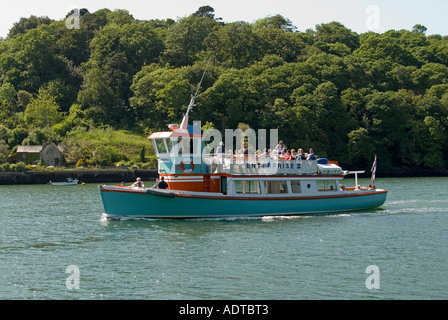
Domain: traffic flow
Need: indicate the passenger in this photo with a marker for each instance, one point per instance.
(341, 187)
(220, 149)
(267, 152)
(138, 184)
(280, 147)
(288, 155)
(282, 155)
(311, 155)
(162, 184)
(301, 155)
(293, 154)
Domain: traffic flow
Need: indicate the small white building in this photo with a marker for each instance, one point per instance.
(50, 154)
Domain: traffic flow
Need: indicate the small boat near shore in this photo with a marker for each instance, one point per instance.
(67, 182)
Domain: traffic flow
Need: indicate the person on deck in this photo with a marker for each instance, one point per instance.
(280, 147)
(162, 184)
(138, 184)
(311, 155)
(301, 155)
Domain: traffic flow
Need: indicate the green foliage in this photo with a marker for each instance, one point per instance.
(347, 95)
(26, 24)
(42, 111)
(104, 146)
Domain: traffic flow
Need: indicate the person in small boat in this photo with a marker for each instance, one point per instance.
(138, 184)
(162, 184)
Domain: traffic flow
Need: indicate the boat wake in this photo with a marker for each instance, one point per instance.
(105, 217)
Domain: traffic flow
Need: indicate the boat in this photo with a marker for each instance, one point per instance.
(67, 182)
(221, 185)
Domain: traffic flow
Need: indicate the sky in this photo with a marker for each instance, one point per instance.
(358, 15)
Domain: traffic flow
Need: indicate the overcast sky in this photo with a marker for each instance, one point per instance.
(358, 15)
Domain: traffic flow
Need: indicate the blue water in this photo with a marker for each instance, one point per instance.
(44, 230)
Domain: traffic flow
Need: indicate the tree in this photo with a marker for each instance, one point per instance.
(26, 24)
(42, 111)
(118, 53)
(361, 147)
(418, 28)
(235, 44)
(8, 94)
(335, 32)
(205, 11)
(433, 156)
(275, 41)
(184, 42)
(29, 60)
(389, 124)
(276, 22)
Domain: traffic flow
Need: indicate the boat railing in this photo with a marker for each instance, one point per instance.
(238, 165)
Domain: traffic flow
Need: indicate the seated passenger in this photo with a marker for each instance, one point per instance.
(288, 155)
(301, 155)
(293, 154)
(311, 155)
(138, 184)
(282, 155)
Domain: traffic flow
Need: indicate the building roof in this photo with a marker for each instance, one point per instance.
(36, 149)
(29, 149)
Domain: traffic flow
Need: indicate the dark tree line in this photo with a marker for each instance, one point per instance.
(348, 95)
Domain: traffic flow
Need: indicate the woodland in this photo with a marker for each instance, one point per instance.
(99, 90)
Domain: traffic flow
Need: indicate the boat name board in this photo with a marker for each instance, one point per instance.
(275, 167)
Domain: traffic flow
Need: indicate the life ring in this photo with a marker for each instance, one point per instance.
(182, 164)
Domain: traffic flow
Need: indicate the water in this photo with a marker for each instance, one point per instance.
(44, 230)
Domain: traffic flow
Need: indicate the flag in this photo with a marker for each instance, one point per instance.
(372, 179)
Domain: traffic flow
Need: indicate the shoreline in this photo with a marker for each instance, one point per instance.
(128, 175)
(86, 176)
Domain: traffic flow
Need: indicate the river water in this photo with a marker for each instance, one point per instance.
(55, 243)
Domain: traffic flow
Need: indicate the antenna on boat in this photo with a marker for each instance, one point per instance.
(184, 124)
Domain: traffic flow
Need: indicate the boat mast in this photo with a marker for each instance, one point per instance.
(184, 124)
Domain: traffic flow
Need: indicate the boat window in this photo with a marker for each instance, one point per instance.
(160, 144)
(326, 185)
(275, 187)
(295, 187)
(170, 144)
(247, 187)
